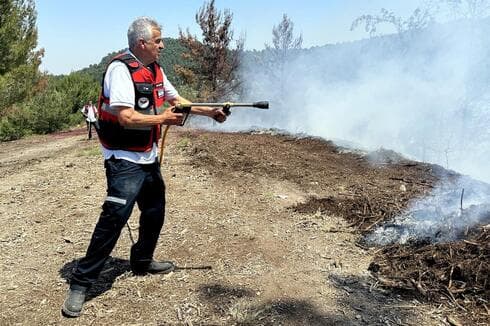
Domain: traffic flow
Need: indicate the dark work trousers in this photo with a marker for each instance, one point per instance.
(127, 183)
(89, 128)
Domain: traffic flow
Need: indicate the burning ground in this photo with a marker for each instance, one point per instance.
(268, 229)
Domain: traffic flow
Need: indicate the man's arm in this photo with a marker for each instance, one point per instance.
(214, 113)
(129, 117)
(119, 86)
(174, 98)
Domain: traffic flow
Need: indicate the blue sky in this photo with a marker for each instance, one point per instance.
(76, 34)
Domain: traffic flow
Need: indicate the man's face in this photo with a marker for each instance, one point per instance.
(153, 46)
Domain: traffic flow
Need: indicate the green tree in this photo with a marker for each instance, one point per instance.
(20, 79)
(19, 73)
(18, 34)
(170, 57)
(212, 64)
(78, 88)
(285, 48)
(96, 71)
(284, 43)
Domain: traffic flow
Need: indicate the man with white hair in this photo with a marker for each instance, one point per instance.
(131, 112)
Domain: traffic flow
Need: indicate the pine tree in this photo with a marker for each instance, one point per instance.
(213, 64)
(283, 40)
(19, 67)
(285, 48)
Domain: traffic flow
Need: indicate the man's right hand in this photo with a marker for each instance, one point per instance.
(171, 118)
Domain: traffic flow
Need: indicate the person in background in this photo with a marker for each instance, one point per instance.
(89, 111)
(131, 112)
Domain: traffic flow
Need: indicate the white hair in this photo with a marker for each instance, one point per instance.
(141, 28)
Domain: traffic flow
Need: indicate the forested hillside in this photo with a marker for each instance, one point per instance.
(32, 101)
(171, 56)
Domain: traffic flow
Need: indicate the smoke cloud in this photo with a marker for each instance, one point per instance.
(423, 93)
(446, 214)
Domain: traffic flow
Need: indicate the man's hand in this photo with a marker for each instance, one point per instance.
(218, 114)
(128, 116)
(171, 118)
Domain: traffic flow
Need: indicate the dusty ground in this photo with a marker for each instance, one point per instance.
(249, 219)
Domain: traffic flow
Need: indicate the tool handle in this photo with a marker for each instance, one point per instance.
(185, 110)
(182, 108)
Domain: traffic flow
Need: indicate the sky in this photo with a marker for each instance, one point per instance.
(75, 34)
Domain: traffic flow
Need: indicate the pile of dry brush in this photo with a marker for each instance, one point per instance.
(456, 274)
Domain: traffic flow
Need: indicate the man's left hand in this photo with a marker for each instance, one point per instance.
(218, 115)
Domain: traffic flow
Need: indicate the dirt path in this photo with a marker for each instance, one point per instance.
(252, 256)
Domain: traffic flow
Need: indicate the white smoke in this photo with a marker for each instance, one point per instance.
(445, 215)
(424, 94)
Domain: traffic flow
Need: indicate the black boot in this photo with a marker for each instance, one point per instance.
(72, 307)
(156, 267)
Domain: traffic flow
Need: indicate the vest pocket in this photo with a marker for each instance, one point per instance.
(144, 88)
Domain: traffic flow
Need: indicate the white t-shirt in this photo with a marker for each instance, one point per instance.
(119, 87)
(90, 112)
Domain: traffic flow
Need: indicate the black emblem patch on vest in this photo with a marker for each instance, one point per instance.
(143, 102)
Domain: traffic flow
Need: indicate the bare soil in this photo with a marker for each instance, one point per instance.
(265, 229)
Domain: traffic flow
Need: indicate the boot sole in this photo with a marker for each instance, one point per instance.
(166, 271)
(68, 313)
(150, 271)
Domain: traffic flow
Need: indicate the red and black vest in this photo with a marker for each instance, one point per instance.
(149, 99)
